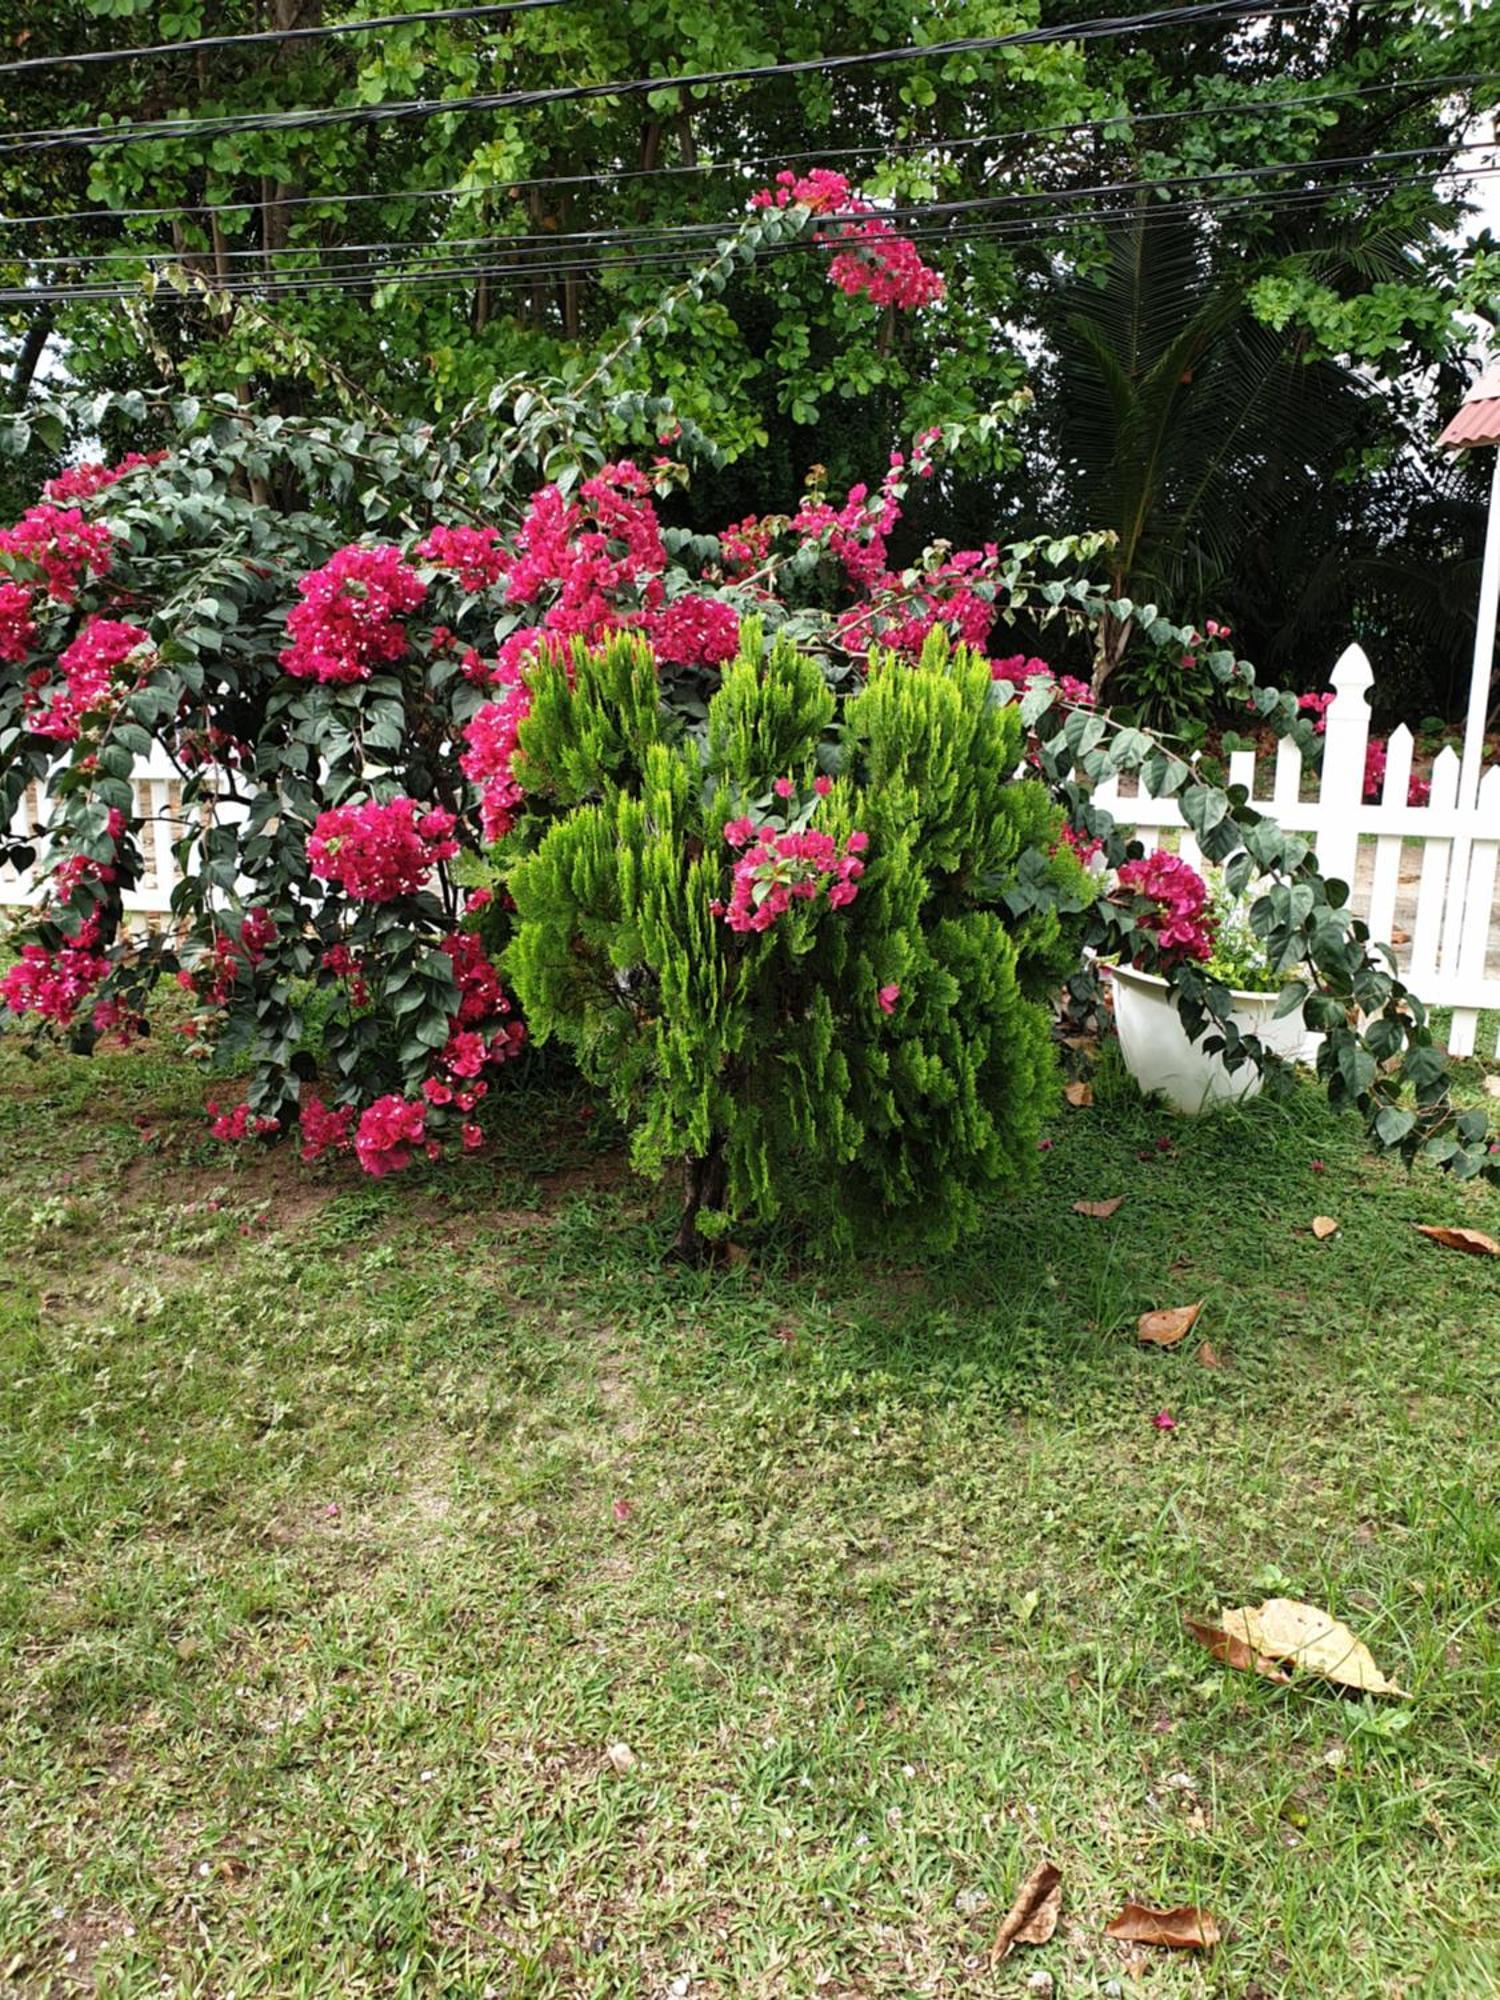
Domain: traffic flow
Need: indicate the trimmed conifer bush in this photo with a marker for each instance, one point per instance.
(807, 962)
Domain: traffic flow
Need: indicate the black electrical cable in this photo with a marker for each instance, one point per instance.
(833, 220)
(206, 42)
(1223, 13)
(741, 164)
(1014, 229)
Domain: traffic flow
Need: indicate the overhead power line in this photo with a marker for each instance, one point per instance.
(441, 271)
(1325, 169)
(1207, 13)
(206, 42)
(742, 164)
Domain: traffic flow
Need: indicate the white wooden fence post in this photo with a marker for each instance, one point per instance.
(1345, 741)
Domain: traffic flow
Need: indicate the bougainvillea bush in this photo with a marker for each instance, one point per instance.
(373, 655)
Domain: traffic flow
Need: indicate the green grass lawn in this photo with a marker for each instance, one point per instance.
(346, 1525)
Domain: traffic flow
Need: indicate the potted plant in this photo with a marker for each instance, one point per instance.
(1181, 916)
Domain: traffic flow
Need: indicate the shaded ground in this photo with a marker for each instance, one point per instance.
(346, 1525)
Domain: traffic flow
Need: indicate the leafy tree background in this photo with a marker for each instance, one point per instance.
(1246, 394)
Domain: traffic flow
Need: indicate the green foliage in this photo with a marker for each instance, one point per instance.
(767, 1060)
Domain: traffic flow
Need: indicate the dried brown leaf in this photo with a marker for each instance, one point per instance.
(1032, 1917)
(1231, 1651)
(1187, 1928)
(1324, 1226)
(1473, 1240)
(1167, 1327)
(1272, 1638)
(1208, 1356)
(1305, 1636)
(1101, 1209)
(620, 1758)
(1079, 1095)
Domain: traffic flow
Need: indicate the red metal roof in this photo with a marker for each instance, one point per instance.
(1478, 420)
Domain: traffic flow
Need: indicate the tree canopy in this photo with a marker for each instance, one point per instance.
(1228, 231)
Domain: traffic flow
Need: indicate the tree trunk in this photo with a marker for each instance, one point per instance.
(1114, 638)
(704, 1182)
(33, 346)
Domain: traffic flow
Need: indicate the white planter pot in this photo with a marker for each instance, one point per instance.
(1160, 1057)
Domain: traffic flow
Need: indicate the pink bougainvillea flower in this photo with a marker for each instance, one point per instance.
(1164, 1421)
(352, 617)
(380, 850)
(887, 997)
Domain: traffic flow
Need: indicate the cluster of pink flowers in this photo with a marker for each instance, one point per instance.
(236, 1121)
(1181, 923)
(776, 868)
(1377, 754)
(323, 1128)
(694, 632)
(577, 558)
(82, 482)
(388, 1132)
(216, 974)
(490, 738)
(378, 851)
(465, 1056)
(352, 615)
(478, 978)
(745, 545)
(1212, 630)
(55, 984)
(88, 667)
(62, 545)
(347, 965)
(1021, 672)
(855, 533)
(873, 257)
(473, 555)
(17, 626)
(80, 868)
(392, 1129)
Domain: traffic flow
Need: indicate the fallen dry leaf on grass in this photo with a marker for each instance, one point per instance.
(1281, 1633)
(1032, 1917)
(1167, 1327)
(1492, 1085)
(1101, 1209)
(1232, 1652)
(1208, 1356)
(1186, 1928)
(1323, 1226)
(620, 1757)
(1079, 1095)
(1473, 1240)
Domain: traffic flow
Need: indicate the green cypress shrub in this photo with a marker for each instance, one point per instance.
(875, 1063)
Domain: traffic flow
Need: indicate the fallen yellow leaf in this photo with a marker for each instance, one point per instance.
(1101, 1209)
(1167, 1327)
(1079, 1095)
(1473, 1240)
(1032, 1917)
(1323, 1226)
(1284, 1633)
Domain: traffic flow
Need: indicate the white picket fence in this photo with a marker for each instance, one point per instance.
(1423, 876)
(158, 800)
